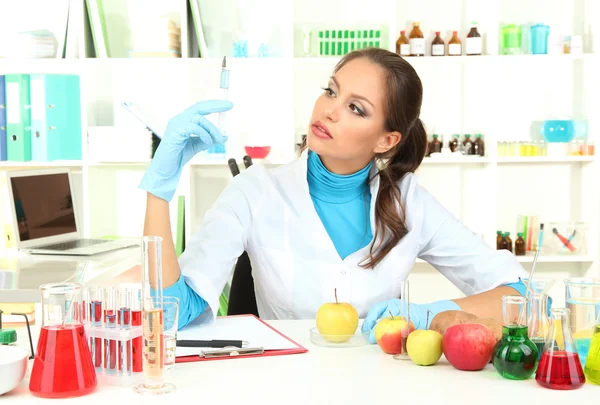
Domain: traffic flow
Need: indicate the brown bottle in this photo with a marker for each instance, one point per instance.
(454, 45)
(498, 239)
(520, 245)
(508, 241)
(455, 143)
(435, 146)
(468, 145)
(473, 43)
(416, 41)
(402, 46)
(478, 146)
(437, 45)
(503, 242)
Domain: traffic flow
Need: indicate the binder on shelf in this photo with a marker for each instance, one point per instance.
(262, 338)
(18, 118)
(55, 117)
(2, 119)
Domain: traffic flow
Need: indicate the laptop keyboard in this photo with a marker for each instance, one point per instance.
(73, 244)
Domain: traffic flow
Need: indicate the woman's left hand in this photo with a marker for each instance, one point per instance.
(418, 315)
(421, 315)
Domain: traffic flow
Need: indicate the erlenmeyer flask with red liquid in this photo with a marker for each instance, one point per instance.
(560, 368)
(63, 363)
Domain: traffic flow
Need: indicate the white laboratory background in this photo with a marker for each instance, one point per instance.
(503, 97)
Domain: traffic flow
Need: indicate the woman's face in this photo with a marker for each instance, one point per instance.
(346, 128)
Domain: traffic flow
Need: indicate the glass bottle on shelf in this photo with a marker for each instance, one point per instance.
(479, 145)
(508, 241)
(435, 146)
(455, 143)
(437, 45)
(520, 247)
(503, 242)
(515, 355)
(560, 367)
(467, 145)
(416, 41)
(498, 239)
(454, 45)
(402, 46)
(538, 322)
(473, 42)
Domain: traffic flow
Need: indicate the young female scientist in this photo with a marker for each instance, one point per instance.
(348, 214)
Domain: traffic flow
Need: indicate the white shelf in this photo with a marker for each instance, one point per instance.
(545, 159)
(556, 259)
(9, 164)
(546, 259)
(456, 160)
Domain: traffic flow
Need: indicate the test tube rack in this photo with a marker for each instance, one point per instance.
(114, 332)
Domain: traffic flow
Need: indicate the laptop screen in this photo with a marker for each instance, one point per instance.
(43, 205)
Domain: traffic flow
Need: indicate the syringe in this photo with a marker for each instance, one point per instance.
(224, 93)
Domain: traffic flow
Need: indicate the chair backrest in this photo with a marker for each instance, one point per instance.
(242, 299)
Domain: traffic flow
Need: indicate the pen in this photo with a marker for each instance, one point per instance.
(210, 343)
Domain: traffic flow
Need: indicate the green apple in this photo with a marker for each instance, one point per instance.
(424, 347)
(337, 321)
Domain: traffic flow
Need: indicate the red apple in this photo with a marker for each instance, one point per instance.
(390, 331)
(468, 346)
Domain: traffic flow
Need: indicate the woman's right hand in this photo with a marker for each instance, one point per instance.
(187, 134)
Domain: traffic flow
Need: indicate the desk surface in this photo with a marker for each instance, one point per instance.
(363, 375)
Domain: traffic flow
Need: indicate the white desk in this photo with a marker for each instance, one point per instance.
(21, 274)
(362, 376)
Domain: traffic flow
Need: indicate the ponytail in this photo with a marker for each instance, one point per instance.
(389, 210)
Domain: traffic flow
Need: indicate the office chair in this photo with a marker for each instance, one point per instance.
(242, 299)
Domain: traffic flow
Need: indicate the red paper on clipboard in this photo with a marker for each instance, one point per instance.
(292, 346)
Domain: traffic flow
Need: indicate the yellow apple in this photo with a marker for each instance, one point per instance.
(337, 321)
(424, 347)
(390, 333)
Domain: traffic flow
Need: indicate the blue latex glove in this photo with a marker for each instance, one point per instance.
(418, 313)
(187, 134)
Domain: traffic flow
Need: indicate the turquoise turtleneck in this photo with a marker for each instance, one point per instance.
(343, 203)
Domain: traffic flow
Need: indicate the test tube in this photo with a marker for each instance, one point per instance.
(404, 313)
(152, 319)
(110, 322)
(95, 317)
(124, 321)
(136, 320)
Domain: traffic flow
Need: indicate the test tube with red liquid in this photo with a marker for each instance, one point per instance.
(124, 321)
(136, 320)
(95, 318)
(110, 322)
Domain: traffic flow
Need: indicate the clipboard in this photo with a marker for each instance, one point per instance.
(245, 352)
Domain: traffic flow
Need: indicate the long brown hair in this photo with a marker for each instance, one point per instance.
(402, 110)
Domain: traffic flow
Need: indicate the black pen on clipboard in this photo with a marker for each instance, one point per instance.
(212, 343)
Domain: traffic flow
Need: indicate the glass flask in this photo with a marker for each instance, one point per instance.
(560, 368)
(515, 356)
(592, 364)
(582, 298)
(63, 365)
(538, 323)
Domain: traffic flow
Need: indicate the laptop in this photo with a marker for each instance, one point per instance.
(46, 217)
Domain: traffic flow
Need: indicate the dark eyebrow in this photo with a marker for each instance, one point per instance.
(353, 95)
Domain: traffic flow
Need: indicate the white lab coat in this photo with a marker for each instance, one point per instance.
(269, 213)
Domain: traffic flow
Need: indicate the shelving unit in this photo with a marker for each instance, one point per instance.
(496, 95)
